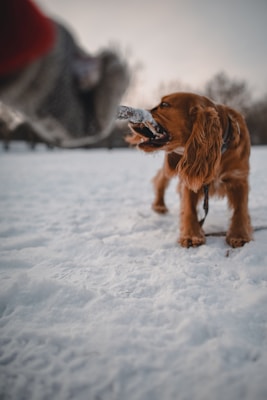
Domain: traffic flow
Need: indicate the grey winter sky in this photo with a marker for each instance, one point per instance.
(185, 40)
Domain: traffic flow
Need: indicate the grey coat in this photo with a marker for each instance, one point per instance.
(66, 98)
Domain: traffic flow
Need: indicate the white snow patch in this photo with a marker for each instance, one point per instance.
(97, 299)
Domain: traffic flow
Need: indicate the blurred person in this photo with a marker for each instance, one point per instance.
(51, 87)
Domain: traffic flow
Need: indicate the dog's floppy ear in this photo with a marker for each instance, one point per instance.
(202, 154)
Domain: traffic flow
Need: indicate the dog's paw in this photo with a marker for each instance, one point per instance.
(237, 241)
(238, 236)
(192, 241)
(159, 208)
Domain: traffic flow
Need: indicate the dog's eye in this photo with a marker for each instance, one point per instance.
(164, 104)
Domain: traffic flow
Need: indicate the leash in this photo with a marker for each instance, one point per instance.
(205, 204)
(223, 233)
(226, 140)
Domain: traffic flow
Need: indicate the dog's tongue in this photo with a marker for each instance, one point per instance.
(136, 115)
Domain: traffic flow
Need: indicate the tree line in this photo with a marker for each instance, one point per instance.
(237, 95)
(220, 88)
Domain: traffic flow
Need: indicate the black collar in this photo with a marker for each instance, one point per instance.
(226, 136)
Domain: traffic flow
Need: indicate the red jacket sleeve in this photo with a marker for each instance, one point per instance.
(25, 34)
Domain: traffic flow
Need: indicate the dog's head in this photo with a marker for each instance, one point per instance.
(189, 125)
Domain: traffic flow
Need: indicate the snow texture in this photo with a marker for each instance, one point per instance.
(99, 302)
(135, 115)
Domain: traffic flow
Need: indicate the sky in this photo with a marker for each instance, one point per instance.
(175, 40)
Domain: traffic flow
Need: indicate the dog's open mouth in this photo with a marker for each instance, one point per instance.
(150, 135)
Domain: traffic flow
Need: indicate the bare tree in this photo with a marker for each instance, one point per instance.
(228, 91)
(256, 117)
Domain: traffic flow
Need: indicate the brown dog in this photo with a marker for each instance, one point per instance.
(208, 146)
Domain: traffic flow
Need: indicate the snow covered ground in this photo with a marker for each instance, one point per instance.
(97, 300)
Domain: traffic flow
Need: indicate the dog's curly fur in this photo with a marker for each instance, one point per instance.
(195, 129)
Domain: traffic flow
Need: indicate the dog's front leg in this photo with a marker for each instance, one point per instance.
(162, 179)
(240, 231)
(191, 233)
(161, 182)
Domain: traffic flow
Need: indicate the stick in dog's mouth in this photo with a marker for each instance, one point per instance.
(135, 115)
(142, 123)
